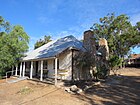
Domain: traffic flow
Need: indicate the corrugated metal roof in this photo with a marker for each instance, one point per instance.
(54, 48)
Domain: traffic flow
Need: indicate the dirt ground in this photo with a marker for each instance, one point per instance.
(123, 89)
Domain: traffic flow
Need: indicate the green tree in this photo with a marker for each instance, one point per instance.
(137, 29)
(119, 33)
(13, 45)
(42, 42)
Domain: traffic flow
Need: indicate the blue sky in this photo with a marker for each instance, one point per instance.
(60, 18)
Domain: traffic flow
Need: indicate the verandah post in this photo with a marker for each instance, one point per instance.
(41, 73)
(23, 69)
(16, 70)
(31, 70)
(20, 69)
(56, 71)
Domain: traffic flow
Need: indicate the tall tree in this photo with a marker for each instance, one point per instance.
(119, 33)
(13, 44)
(42, 42)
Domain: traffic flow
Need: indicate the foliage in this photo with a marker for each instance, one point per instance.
(83, 62)
(13, 44)
(119, 33)
(115, 62)
(102, 68)
(42, 42)
(137, 29)
(101, 72)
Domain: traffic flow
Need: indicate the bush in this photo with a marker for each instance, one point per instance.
(115, 62)
(1, 74)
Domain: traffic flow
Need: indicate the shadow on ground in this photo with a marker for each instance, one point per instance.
(116, 90)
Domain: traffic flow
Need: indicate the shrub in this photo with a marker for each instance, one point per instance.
(115, 62)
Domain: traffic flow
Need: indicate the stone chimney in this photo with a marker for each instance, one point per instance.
(89, 42)
(103, 48)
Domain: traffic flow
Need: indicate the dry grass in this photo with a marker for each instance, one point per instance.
(25, 90)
